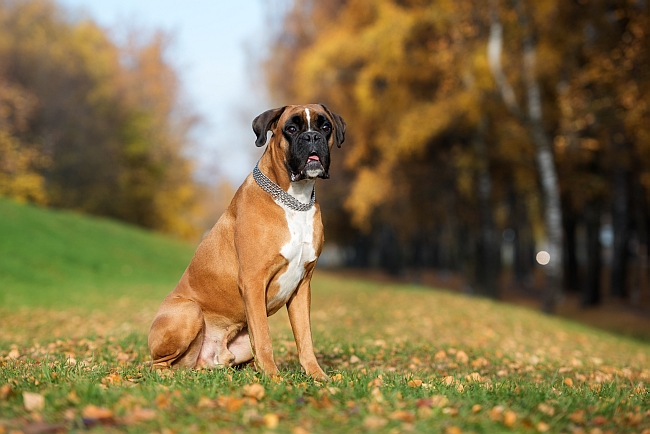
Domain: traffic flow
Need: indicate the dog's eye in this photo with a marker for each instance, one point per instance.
(327, 128)
(291, 129)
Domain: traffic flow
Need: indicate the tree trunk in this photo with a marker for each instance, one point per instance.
(591, 289)
(620, 226)
(571, 278)
(543, 151)
(487, 249)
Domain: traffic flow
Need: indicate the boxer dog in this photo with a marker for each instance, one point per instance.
(258, 257)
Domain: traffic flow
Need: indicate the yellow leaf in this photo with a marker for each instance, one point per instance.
(97, 413)
(374, 422)
(255, 391)
(205, 402)
(33, 401)
(546, 409)
(440, 355)
(5, 391)
(271, 420)
(140, 415)
(577, 416)
(403, 416)
(496, 413)
(509, 418)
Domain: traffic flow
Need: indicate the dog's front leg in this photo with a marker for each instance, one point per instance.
(254, 297)
(298, 308)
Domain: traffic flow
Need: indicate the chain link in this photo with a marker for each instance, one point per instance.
(280, 195)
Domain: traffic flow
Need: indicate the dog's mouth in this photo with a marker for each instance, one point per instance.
(312, 168)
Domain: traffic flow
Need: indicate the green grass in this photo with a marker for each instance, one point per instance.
(402, 358)
(60, 258)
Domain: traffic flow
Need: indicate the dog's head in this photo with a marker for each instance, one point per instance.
(305, 135)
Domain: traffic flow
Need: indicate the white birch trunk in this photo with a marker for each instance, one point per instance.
(544, 153)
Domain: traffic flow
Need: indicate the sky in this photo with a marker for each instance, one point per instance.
(210, 42)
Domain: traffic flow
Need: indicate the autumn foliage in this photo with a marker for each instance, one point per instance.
(89, 124)
(448, 147)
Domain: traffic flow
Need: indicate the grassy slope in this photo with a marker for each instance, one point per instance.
(60, 258)
(401, 357)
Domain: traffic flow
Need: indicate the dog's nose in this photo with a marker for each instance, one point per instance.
(311, 137)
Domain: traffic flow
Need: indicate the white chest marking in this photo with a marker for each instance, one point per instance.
(299, 250)
(308, 119)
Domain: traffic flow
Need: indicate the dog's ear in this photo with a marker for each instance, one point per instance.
(264, 123)
(339, 126)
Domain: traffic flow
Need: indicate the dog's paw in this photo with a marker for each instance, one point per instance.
(319, 375)
(225, 360)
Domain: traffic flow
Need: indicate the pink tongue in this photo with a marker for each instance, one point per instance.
(313, 158)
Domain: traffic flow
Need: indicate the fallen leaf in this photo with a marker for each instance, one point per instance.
(33, 401)
(546, 409)
(438, 401)
(113, 378)
(599, 420)
(496, 413)
(163, 400)
(92, 415)
(568, 382)
(44, 428)
(354, 359)
(93, 412)
(543, 427)
(450, 411)
(13, 354)
(229, 403)
(415, 383)
(480, 362)
(377, 382)
(453, 430)
(440, 355)
(509, 418)
(139, 415)
(403, 416)
(374, 422)
(5, 391)
(476, 408)
(255, 391)
(461, 357)
(577, 416)
(271, 420)
(205, 402)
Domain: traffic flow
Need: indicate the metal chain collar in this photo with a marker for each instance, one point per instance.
(280, 195)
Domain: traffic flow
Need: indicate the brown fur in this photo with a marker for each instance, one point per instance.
(222, 297)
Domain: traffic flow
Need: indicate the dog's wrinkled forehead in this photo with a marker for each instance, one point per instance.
(304, 117)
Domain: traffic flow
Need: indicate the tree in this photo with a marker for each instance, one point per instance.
(109, 119)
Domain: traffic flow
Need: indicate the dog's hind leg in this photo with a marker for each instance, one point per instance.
(176, 334)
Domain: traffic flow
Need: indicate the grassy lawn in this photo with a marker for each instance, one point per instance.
(78, 295)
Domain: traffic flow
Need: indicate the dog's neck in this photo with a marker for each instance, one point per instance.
(302, 190)
(299, 196)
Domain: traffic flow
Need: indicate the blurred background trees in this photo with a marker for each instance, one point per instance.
(484, 138)
(481, 134)
(92, 126)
